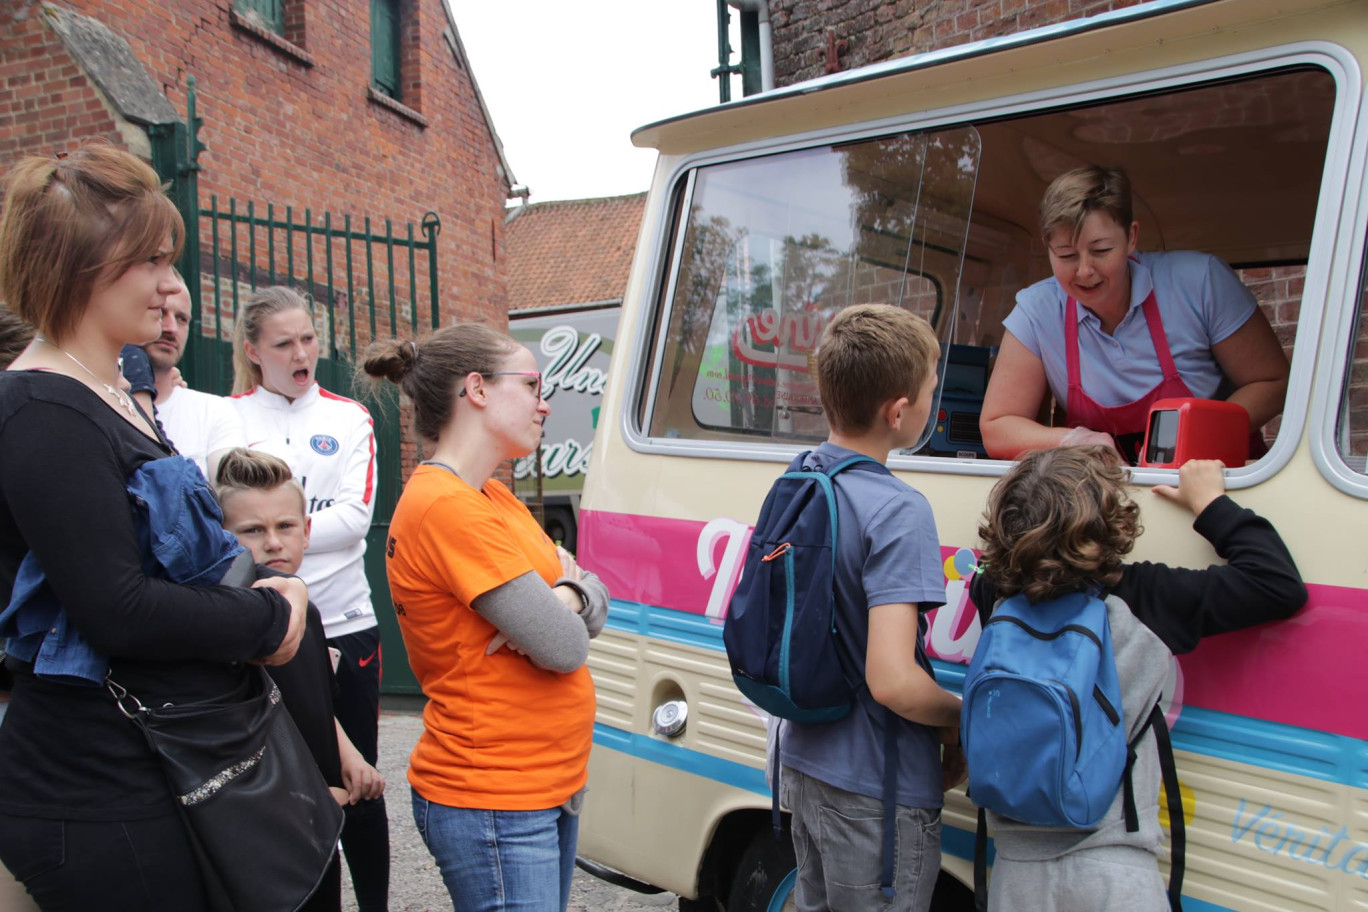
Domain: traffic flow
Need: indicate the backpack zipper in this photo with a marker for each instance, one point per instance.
(1077, 717)
(786, 550)
(1042, 635)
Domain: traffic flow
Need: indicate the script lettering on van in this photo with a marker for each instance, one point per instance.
(1270, 832)
(565, 355)
(793, 336)
(567, 368)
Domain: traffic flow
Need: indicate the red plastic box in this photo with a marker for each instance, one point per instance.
(1183, 429)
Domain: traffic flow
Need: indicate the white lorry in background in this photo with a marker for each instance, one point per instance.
(573, 347)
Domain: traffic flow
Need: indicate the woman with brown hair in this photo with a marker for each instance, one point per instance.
(86, 817)
(1114, 330)
(497, 622)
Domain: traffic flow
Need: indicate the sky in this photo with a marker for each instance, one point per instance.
(567, 81)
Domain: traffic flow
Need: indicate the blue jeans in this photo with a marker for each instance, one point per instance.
(499, 861)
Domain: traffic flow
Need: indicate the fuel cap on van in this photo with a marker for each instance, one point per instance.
(670, 718)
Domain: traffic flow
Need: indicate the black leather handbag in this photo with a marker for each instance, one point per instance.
(259, 816)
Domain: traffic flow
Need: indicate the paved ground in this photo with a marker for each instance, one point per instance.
(415, 885)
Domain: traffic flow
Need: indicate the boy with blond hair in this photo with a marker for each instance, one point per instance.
(263, 505)
(876, 373)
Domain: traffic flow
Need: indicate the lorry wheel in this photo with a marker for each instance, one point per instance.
(765, 876)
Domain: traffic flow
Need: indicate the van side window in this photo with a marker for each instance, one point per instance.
(774, 246)
(1351, 428)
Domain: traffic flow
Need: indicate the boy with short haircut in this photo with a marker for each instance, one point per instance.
(263, 505)
(876, 373)
(1062, 521)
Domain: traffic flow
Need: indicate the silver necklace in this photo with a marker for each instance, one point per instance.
(118, 395)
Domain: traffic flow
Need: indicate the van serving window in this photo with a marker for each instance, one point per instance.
(944, 223)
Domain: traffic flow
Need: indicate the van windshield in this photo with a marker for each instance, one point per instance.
(774, 246)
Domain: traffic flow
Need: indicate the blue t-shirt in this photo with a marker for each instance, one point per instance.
(1201, 302)
(887, 553)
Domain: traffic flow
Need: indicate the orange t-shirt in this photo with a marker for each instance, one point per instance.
(499, 733)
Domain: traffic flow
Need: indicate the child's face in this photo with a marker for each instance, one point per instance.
(915, 413)
(271, 524)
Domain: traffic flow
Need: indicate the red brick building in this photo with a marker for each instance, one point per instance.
(815, 37)
(572, 253)
(305, 104)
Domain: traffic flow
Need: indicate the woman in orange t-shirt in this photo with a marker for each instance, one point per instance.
(497, 622)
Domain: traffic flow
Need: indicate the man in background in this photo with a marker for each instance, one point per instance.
(200, 425)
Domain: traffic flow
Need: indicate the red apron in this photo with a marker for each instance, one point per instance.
(1127, 423)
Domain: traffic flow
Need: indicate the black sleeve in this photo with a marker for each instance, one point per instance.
(306, 683)
(984, 596)
(1259, 581)
(64, 485)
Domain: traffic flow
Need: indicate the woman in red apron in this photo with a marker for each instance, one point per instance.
(1091, 237)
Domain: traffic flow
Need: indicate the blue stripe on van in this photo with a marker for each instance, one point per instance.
(954, 841)
(728, 772)
(1270, 745)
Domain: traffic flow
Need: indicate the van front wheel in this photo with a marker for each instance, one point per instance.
(765, 876)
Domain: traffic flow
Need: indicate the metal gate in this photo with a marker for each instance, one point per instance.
(363, 284)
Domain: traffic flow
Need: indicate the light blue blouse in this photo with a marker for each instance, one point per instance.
(1201, 303)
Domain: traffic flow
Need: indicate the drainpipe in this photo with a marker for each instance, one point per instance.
(757, 46)
(724, 69)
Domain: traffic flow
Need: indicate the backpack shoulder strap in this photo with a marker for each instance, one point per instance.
(857, 462)
(1172, 794)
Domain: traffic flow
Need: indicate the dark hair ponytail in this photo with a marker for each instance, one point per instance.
(428, 370)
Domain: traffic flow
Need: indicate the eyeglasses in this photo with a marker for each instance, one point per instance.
(536, 390)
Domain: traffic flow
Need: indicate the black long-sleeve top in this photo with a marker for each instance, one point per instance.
(65, 750)
(1260, 582)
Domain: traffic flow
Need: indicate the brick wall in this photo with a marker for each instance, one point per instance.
(291, 123)
(874, 30)
(282, 131)
(46, 100)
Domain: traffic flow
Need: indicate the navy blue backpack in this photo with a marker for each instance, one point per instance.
(1042, 725)
(785, 648)
(785, 651)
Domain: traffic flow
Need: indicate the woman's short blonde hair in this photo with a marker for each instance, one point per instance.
(1059, 521)
(70, 220)
(1075, 195)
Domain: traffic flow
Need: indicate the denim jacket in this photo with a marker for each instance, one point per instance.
(181, 536)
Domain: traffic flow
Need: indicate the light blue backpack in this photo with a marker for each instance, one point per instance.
(1042, 725)
(1043, 730)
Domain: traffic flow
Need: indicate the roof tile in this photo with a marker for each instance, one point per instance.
(571, 252)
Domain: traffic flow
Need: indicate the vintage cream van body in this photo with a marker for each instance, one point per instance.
(1241, 123)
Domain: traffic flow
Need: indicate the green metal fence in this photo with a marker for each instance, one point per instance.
(364, 283)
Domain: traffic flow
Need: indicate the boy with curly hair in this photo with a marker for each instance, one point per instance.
(1062, 521)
